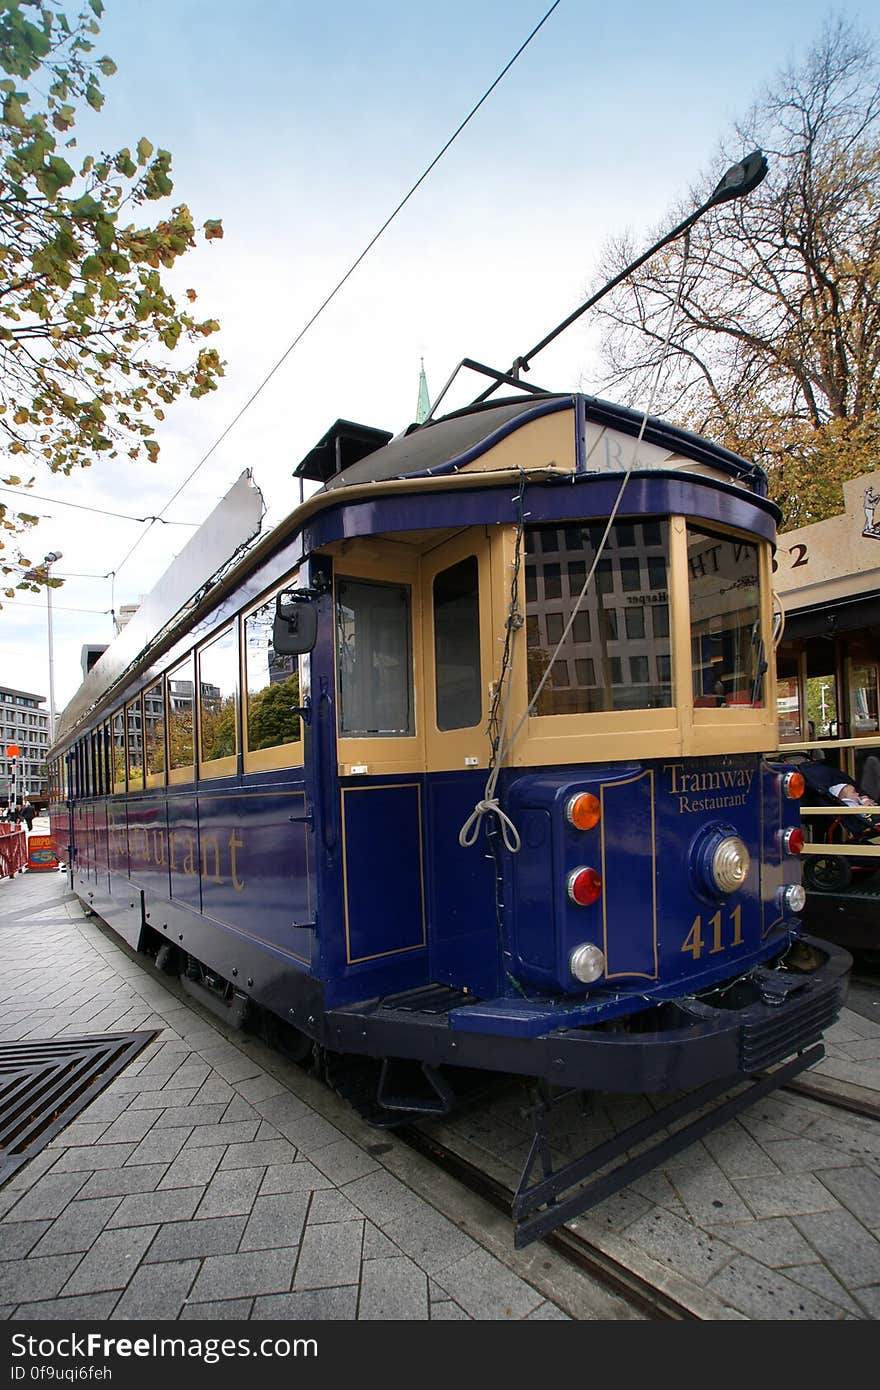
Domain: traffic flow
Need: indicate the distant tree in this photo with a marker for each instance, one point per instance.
(84, 313)
(775, 347)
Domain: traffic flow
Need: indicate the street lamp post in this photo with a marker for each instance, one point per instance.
(52, 558)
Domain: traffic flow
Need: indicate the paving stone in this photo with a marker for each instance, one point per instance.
(392, 1288)
(49, 1198)
(767, 1295)
(24, 1281)
(119, 1182)
(240, 1109)
(111, 1261)
(486, 1289)
(344, 1161)
(95, 1159)
(870, 1301)
(89, 1307)
(258, 1154)
(193, 1167)
(150, 1208)
(232, 1276)
(805, 1156)
(309, 1132)
(172, 1099)
(157, 1291)
(708, 1195)
(329, 1255)
(208, 1136)
(263, 1087)
(159, 1146)
(448, 1311)
(858, 1189)
(786, 1195)
(849, 1251)
(182, 1240)
(301, 1176)
(231, 1068)
(213, 1091)
(821, 1281)
(775, 1242)
(235, 1309)
(231, 1193)
(80, 1132)
(281, 1108)
(737, 1153)
(267, 1131)
(330, 1205)
(18, 1237)
(131, 1125)
(191, 1115)
(430, 1239)
(78, 1227)
(308, 1305)
(276, 1221)
(683, 1247)
(383, 1197)
(376, 1245)
(621, 1209)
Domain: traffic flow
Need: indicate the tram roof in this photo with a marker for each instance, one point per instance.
(444, 445)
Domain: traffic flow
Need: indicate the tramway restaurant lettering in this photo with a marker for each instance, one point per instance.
(218, 861)
(709, 790)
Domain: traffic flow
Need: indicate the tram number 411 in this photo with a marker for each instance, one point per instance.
(694, 943)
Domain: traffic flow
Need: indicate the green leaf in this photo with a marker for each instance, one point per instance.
(144, 150)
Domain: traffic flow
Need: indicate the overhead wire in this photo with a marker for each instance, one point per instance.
(98, 511)
(338, 286)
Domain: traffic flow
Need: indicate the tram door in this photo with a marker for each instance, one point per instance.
(458, 642)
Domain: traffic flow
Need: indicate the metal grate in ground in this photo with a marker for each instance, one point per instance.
(45, 1083)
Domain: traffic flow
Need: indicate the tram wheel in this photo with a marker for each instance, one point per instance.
(827, 875)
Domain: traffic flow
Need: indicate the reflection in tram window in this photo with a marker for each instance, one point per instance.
(181, 744)
(154, 729)
(616, 655)
(727, 652)
(272, 693)
(218, 697)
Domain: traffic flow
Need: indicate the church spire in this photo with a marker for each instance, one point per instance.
(424, 405)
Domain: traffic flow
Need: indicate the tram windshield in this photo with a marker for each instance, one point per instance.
(727, 649)
(616, 654)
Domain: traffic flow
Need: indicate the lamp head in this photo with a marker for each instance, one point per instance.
(740, 179)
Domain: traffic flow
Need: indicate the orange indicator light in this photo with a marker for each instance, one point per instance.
(583, 811)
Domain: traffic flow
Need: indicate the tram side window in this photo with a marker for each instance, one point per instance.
(457, 645)
(134, 727)
(272, 689)
(374, 659)
(119, 751)
(180, 716)
(616, 654)
(218, 697)
(154, 731)
(727, 651)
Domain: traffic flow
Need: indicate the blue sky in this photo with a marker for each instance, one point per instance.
(301, 126)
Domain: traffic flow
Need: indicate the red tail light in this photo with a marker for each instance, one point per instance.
(584, 886)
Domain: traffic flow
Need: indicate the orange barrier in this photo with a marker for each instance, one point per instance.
(13, 850)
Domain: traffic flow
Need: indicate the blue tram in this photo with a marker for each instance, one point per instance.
(465, 768)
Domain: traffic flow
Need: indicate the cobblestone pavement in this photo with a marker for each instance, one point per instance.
(212, 1179)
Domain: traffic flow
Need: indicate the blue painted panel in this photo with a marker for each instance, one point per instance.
(183, 850)
(628, 902)
(383, 875)
(256, 867)
(148, 844)
(536, 940)
(463, 930)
